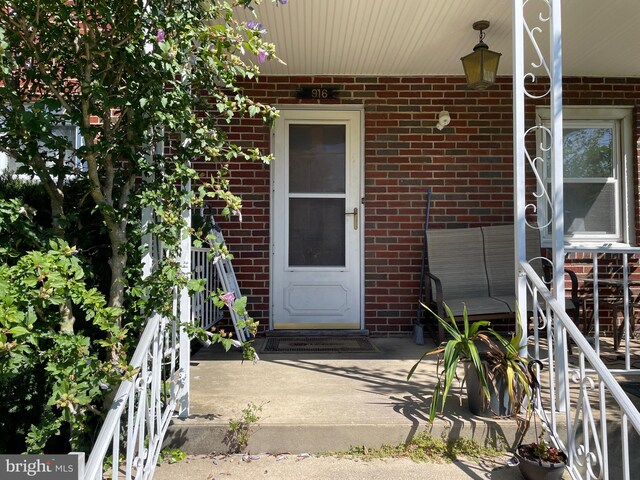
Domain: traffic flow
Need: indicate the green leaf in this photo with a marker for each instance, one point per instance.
(465, 318)
(413, 369)
(477, 364)
(18, 331)
(476, 326)
(451, 355)
(435, 399)
(128, 113)
(240, 305)
(253, 110)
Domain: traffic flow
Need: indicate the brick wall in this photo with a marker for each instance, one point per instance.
(468, 165)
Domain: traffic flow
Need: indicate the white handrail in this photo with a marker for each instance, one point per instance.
(587, 437)
(584, 346)
(605, 249)
(144, 405)
(141, 399)
(617, 274)
(203, 308)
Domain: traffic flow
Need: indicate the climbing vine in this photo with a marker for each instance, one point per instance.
(117, 99)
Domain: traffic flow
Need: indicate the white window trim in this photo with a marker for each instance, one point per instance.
(8, 163)
(4, 162)
(623, 118)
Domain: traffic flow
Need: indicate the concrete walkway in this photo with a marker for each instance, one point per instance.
(294, 467)
(323, 402)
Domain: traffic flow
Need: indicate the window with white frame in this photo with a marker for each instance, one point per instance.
(6, 162)
(68, 131)
(598, 179)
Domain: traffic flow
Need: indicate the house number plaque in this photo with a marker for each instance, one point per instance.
(318, 93)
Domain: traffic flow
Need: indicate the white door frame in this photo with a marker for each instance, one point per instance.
(319, 108)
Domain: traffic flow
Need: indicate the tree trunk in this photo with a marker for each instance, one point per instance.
(56, 198)
(118, 263)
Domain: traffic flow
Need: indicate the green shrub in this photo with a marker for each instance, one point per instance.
(52, 379)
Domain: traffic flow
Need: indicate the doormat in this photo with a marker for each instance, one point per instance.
(318, 345)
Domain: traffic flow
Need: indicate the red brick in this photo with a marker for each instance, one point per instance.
(404, 155)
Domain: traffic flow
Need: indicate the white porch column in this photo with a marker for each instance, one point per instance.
(150, 254)
(185, 316)
(147, 241)
(551, 16)
(184, 305)
(557, 189)
(519, 189)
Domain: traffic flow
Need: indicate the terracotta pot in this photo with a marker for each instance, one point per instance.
(538, 469)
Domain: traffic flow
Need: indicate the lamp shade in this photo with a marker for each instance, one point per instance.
(481, 67)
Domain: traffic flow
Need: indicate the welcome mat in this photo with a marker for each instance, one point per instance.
(318, 345)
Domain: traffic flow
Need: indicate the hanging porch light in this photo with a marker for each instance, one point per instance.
(481, 66)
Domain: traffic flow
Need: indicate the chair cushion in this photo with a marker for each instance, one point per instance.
(456, 257)
(500, 258)
(477, 306)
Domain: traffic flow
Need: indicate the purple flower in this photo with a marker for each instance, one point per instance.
(228, 299)
(252, 24)
(160, 36)
(283, 2)
(262, 55)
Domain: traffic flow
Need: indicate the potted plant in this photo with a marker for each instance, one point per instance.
(492, 365)
(507, 372)
(538, 460)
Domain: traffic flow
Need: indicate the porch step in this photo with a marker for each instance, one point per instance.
(201, 436)
(323, 402)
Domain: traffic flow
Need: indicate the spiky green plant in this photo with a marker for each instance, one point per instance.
(463, 345)
(500, 358)
(507, 363)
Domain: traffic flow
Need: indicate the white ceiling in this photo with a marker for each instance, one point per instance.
(428, 37)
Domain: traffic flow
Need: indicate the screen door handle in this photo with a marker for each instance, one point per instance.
(355, 217)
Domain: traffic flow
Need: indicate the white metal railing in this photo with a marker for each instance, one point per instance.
(584, 408)
(135, 425)
(610, 282)
(142, 408)
(130, 439)
(203, 308)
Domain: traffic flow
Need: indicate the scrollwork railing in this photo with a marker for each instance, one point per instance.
(131, 436)
(542, 16)
(203, 308)
(594, 422)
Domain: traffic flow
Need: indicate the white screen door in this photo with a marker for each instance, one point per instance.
(317, 216)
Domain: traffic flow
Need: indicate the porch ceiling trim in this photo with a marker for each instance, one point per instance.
(418, 37)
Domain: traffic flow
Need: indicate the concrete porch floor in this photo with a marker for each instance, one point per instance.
(323, 402)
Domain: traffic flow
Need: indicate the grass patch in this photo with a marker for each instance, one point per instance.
(171, 455)
(425, 448)
(240, 429)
